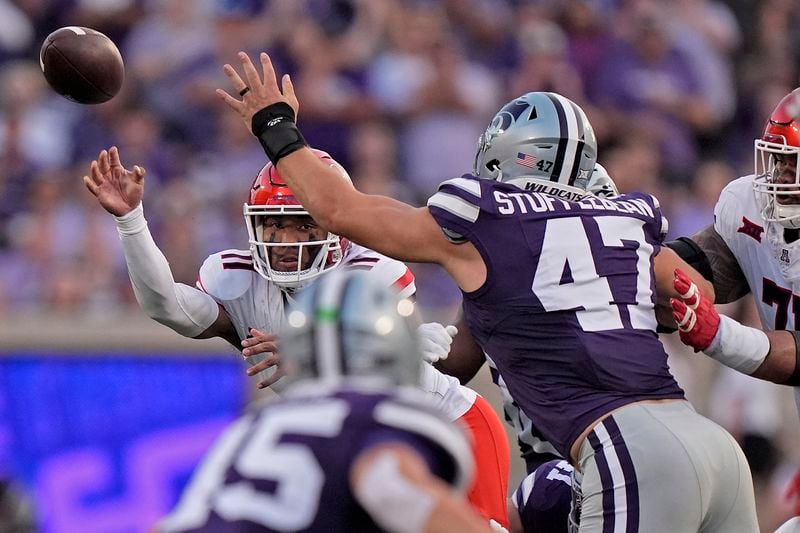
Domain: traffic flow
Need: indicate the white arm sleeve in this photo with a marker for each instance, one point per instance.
(185, 309)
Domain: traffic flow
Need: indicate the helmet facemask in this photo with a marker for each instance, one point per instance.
(777, 188)
(312, 257)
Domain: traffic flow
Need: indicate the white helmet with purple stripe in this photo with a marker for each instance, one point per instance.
(542, 137)
(350, 325)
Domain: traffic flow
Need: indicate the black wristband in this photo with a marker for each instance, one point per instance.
(794, 379)
(665, 329)
(276, 131)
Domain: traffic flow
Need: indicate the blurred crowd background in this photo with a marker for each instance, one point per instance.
(398, 92)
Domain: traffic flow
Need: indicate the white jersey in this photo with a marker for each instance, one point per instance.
(770, 265)
(252, 301)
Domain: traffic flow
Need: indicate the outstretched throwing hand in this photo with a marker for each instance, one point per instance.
(257, 92)
(118, 189)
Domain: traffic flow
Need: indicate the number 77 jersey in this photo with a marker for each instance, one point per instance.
(567, 309)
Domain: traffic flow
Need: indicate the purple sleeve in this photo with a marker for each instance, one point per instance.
(456, 206)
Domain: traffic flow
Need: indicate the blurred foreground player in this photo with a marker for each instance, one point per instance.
(351, 446)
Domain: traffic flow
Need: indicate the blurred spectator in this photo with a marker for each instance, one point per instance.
(16, 30)
(484, 25)
(543, 64)
(446, 98)
(769, 68)
(60, 241)
(707, 34)
(634, 165)
(692, 209)
(162, 50)
(330, 75)
(16, 510)
(373, 160)
(219, 182)
(648, 89)
(37, 122)
(589, 38)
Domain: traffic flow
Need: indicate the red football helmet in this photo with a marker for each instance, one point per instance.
(781, 141)
(270, 197)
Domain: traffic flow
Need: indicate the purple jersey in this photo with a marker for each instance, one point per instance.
(533, 447)
(286, 466)
(544, 498)
(567, 310)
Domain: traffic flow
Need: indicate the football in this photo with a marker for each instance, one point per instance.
(82, 64)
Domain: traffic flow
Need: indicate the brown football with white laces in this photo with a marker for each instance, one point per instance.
(82, 64)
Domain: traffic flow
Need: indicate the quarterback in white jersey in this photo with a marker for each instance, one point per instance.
(241, 296)
(254, 303)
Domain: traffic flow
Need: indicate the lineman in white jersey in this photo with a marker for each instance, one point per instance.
(754, 246)
(240, 295)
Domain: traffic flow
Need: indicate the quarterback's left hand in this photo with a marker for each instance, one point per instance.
(435, 340)
(698, 320)
(259, 351)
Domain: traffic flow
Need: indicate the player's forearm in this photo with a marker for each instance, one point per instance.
(781, 364)
(319, 187)
(730, 283)
(771, 356)
(665, 264)
(184, 309)
(452, 514)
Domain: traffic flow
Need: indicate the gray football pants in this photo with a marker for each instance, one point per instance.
(663, 468)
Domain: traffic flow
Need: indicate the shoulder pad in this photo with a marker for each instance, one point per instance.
(733, 205)
(390, 272)
(423, 422)
(226, 275)
(456, 206)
